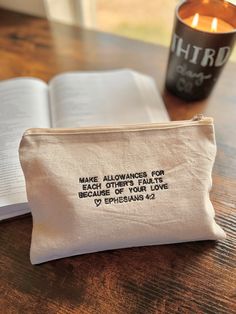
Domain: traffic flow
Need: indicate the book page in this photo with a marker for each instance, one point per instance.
(152, 98)
(23, 104)
(104, 98)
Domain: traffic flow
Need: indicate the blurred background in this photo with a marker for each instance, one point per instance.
(149, 20)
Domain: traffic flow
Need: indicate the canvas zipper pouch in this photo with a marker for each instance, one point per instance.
(95, 189)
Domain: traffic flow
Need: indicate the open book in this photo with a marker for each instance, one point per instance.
(69, 100)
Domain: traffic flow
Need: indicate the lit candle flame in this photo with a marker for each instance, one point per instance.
(214, 24)
(195, 20)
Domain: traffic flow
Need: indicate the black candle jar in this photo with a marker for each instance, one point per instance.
(197, 56)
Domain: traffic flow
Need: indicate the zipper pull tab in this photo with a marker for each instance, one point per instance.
(198, 117)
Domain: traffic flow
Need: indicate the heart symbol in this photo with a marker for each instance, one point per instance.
(97, 202)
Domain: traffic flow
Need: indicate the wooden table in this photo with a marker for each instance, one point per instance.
(184, 278)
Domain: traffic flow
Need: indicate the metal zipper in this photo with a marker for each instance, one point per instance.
(196, 120)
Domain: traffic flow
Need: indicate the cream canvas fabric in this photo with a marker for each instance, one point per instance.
(94, 189)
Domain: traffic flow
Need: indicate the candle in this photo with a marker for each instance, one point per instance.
(202, 41)
(208, 24)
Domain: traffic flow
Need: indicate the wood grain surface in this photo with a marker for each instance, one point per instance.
(195, 277)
